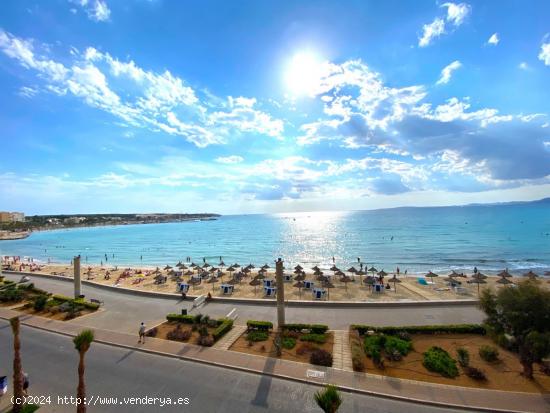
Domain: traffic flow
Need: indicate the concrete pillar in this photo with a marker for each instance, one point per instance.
(76, 276)
(280, 293)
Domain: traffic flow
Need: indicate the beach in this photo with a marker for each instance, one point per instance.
(408, 288)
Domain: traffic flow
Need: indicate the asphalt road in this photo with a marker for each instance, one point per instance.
(111, 372)
(126, 311)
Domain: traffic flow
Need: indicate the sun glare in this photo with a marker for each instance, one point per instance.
(303, 73)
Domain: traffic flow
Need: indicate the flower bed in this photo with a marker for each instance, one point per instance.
(197, 329)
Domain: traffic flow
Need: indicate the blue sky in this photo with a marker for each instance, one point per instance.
(246, 107)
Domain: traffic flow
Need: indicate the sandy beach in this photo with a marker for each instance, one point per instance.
(407, 289)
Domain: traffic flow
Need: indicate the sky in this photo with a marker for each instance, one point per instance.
(270, 106)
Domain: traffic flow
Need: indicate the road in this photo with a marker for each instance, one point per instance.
(51, 362)
(126, 311)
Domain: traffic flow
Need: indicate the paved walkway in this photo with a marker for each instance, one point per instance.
(226, 341)
(450, 396)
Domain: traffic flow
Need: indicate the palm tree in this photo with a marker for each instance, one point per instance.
(82, 343)
(17, 367)
(329, 400)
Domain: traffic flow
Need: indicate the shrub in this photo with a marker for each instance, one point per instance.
(488, 353)
(321, 357)
(207, 341)
(152, 332)
(222, 329)
(463, 357)
(329, 400)
(313, 328)
(393, 345)
(197, 318)
(292, 334)
(259, 325)
(255, 335)
(205, 319)
(11, 294)
(475, 373)
(314, 338)
(377, 358)
(203, 331)
(435, 329)
(306, 348)
(439, 361)
(372, 344)
(179, 334)
(40, 302)
(404, 335)
(356, 351)
(61, 298)
(318, 328)
(187, 319)
(288, 343)
(214, 323)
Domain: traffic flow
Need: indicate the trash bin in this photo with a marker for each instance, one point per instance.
(184, 311)
(3, 385)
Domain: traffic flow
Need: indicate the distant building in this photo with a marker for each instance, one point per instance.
(74, 220)
(12, 217)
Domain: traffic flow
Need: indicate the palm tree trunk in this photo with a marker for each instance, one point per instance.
(81, 390)
(17, 367)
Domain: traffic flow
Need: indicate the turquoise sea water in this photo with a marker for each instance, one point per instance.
(438, 239)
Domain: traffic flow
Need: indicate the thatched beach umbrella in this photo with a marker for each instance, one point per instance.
(316, 268)
(255, 282)
(298, 267)
(395, 280)
(369, 281)
(457, 274)
(504, 281)
(431, 275)
(188, 272)
(339, 273)
(233, 281)
(221, 264)
(531, 275)
(212, 280)
(265, 267)
(345, 279)
(334, 268)
(299, 285)
(478, 280)
(194, 281)
(504, 274)
(167, 268)
(382, 273)
(206, 265)
(373, 270)
(360, 273)
(193, 265)
(300, 277)
(328, 285)
(179, 264)
(212, 270)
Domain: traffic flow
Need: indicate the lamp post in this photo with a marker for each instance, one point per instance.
(76, 276)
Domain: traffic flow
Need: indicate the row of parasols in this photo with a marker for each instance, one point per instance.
(213, 274)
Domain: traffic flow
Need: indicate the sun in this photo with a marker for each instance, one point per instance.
(303, 73)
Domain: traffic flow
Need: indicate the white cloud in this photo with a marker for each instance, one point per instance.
(431, 31)
(96, 10)
(27, 92)
(544, 54)
(230, 159)
(447, 72)
(457, 13)
(494, 39)
(523, 66)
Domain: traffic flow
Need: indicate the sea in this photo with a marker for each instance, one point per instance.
(489, 237)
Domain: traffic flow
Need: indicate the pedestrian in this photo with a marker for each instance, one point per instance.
(25, 384)
(475, 270)
(142, 333)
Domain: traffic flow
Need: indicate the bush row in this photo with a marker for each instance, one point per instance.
(314, 328)
(434, 329)
(180, 318)
(80, 301)
(259, 325)
(222, 329)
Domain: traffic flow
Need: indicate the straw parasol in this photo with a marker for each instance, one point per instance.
(328, 285)
(221, 264)
(179, 264)
(212, 270)
(478, 280)
(339, 273)
(345, 279)
(260, 276)
(431, 275)
(353, 270)
(369, 281)
(265, 267)
(212, 280)
(395, 280)
(255, 282)
(193, 265)
(194, 281)
(300, 277)
(206, 265)
(382, 274)
(373, 270)
(504, 274)
(316, 268)
(531, 275)
(299, 285)
(167, 268)
(360, 273)
(504, 281)
(457, 274)
(298, 267)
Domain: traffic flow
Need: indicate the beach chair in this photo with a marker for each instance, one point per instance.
(268, 283)
(319, 293)
(183, 287)
(227, 289)
(270, 291)
(308, 285)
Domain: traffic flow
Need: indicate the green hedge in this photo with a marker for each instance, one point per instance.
(314, 338)
(79, 301)
(435, 329)
(61, 298)
(222, 329)
(259, 325)
(180, 318)
(314, 328)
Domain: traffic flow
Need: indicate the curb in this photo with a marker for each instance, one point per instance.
(285, 377)
(252, 301)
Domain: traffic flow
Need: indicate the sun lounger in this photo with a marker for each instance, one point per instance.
(270, 291)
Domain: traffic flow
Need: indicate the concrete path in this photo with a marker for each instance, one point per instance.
(341, 351)
(450, 396)
(227, 341)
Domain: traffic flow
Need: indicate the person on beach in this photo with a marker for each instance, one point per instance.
(142, 333)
